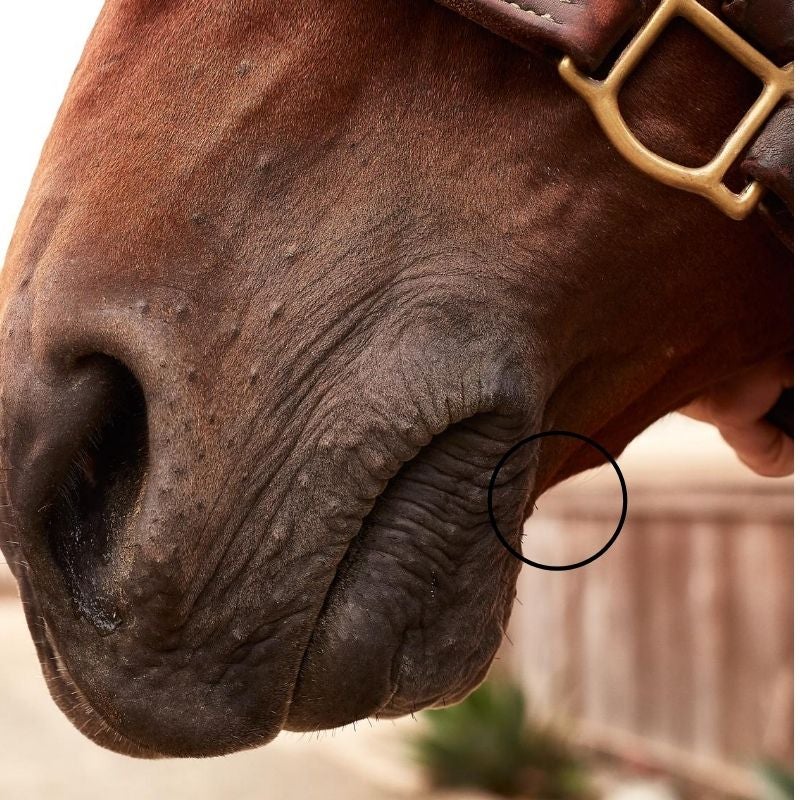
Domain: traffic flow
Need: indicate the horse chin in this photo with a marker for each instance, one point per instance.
(66, 693)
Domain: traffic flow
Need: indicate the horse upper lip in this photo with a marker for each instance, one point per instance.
(363, 545)
(66, 690)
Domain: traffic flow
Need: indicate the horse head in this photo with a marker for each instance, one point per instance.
(289, 280)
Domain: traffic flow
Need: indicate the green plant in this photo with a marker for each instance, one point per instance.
(778, 781)
(485, 742)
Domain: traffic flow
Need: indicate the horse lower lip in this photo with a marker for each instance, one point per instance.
(402, 597)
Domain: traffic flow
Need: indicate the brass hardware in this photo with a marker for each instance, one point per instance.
(602, 97)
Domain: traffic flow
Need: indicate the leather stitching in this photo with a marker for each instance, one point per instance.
(534, 13)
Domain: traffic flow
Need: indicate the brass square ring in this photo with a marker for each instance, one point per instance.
(602, 97)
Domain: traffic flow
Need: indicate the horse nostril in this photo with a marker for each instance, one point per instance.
(89, 509)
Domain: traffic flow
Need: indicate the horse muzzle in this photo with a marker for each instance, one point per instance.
(195, 584)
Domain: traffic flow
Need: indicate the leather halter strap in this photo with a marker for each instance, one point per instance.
(587, 31)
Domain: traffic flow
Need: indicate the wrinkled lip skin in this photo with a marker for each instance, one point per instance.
(413, 614)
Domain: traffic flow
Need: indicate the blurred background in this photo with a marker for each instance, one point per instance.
(662, 670)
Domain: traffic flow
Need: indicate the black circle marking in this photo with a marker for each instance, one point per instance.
(586, 440)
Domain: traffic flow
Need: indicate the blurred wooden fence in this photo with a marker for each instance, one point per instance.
(7, 585)
(676, 646)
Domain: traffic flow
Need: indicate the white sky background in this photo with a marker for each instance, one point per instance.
(40, 44)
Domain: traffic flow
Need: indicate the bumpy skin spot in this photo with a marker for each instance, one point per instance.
(265, 332)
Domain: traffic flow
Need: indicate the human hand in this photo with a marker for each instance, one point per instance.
(737, 407)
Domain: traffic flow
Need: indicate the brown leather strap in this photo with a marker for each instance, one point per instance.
(770, 160)
(768, 24)
(586, 30)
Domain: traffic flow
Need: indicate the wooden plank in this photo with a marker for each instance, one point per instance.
(680, 638)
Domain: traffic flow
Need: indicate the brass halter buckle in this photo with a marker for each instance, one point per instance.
(602, 97)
